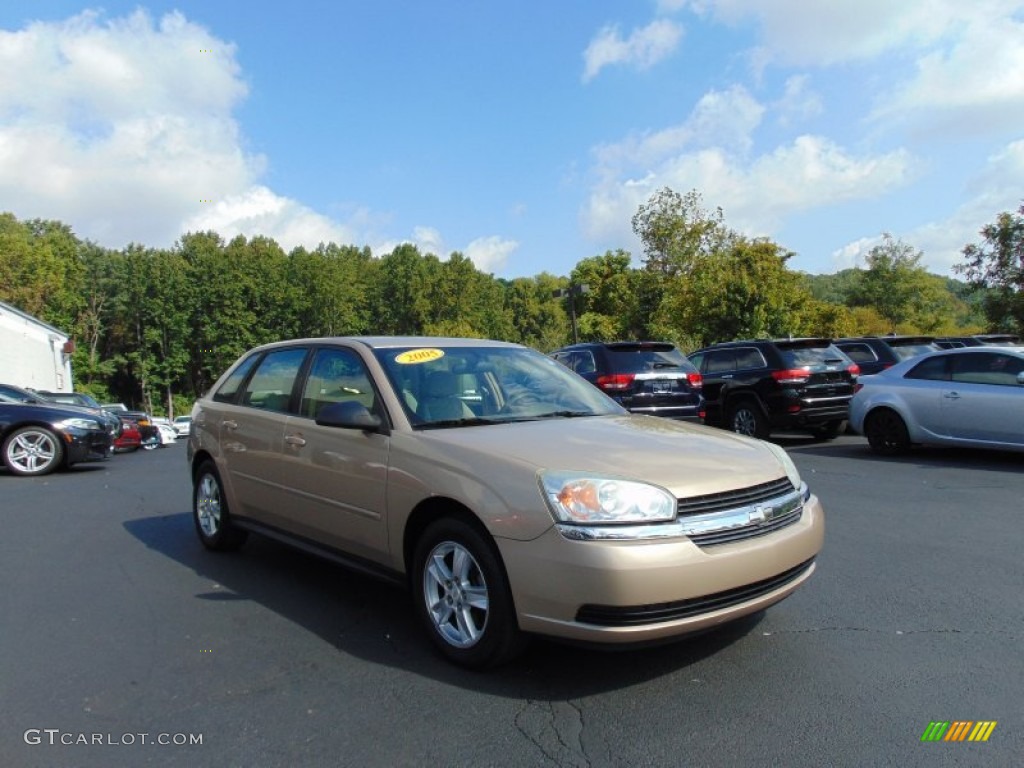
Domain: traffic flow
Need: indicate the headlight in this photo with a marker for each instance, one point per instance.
(576, 497)
(88, 424)
(787, 463)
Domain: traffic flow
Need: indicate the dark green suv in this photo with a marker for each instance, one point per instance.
(757, 386)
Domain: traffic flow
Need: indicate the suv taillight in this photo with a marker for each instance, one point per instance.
(695, 379)
(792, 376)
(615, 382)
(854, 369)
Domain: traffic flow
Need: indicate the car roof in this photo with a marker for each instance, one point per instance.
(389, 342)
(796, 341)
(904, 338)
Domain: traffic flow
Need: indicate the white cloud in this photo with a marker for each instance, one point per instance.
(798, 102)
(490, 254)
(976, 82)
(720, 118)
(756, 193)
(642, 49)
(995, 189)
(258, 211)
(119, 128)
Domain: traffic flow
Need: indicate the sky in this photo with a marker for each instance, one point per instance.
(525, 134)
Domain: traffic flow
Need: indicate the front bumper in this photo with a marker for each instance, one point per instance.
(87, 445)
(645, 591)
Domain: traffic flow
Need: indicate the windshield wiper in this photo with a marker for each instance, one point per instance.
(563, 414)
(474, 421)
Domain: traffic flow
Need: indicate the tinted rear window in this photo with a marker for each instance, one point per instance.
(800, 355)
(634, 359)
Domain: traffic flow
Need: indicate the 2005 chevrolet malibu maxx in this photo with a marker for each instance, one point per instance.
(511, 495)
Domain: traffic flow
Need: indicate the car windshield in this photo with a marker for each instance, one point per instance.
(455, 386)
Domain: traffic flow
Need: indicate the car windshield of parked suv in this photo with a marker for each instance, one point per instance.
(464, 386)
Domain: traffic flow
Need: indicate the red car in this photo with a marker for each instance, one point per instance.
(130, 438)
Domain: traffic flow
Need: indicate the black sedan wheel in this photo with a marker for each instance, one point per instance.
(210, 512)
(886, 432)
(32, 451)
(462, 596)
(746, 418)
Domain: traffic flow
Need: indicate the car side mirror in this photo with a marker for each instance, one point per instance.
(350, 415)
(1020, 378)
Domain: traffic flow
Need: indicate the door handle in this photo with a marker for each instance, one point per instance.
(951, 395)
(296, 440)
(228, 424)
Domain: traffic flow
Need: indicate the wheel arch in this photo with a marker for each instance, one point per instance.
(436, 508)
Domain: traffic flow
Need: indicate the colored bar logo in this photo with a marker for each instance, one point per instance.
(958, 730)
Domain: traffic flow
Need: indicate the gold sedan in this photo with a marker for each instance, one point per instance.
(509, 494)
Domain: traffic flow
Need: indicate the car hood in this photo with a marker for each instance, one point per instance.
(686, 459)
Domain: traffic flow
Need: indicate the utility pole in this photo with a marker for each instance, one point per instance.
(571, 293)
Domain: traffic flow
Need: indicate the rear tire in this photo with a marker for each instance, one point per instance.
(462, 596)
(886, 432)
(210, 512)
(746, 418)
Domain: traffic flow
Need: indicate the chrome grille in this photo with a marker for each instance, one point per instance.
(718, 502)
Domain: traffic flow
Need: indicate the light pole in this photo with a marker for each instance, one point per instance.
(571, 293)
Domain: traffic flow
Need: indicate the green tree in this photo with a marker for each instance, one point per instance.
(894, 283)
(538, 318)
(997, 266)
(677, 231)
(606, 311)
(743, 291)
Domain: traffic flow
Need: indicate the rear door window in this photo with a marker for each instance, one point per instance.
(270, 387)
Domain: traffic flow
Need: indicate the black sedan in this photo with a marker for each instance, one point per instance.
(38, 438)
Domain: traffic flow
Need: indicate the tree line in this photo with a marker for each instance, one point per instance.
(155, 327)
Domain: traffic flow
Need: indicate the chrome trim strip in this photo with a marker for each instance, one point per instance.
(748, 516)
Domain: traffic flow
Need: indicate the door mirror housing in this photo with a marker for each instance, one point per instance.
(350, 415)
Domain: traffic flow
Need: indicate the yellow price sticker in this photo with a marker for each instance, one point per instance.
(416, 356)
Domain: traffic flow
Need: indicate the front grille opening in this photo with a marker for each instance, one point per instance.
(637, 615)
(719, 502)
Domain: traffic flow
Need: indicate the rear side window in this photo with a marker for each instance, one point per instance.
(270, 387)
(931, 369)
(229, 389)
(859, 353)
(719, 362)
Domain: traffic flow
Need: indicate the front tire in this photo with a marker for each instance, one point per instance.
(886, 432)
(745, 418)
(462, 596)
(210, 512)
(32, 451)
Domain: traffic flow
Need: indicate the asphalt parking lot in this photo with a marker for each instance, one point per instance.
(125, 643)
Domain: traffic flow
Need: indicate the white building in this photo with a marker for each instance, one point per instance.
(33, 354)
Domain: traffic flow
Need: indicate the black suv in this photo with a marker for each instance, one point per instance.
(651, 377)
(876, 353)
(753, 387)
(979, 340)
